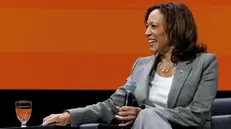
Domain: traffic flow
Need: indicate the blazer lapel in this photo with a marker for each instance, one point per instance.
(142, 84)
(182, 71)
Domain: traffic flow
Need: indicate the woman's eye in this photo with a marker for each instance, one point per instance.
(153, 26)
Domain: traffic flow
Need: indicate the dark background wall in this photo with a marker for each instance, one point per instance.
(46, 102)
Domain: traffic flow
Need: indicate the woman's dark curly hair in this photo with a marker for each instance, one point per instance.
(181, 30)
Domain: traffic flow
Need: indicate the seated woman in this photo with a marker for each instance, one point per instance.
(177, 85)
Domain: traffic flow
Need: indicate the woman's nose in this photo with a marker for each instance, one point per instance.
(148, 32)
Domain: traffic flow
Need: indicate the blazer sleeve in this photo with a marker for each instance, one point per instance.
(199, 109)
(102, 111)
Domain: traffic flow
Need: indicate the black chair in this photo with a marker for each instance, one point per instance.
(99, 126)
(221, 117)
(221, 113)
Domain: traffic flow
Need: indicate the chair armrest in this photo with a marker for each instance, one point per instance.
(221, 106)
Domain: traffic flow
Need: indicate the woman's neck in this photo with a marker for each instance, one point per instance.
(167, 57)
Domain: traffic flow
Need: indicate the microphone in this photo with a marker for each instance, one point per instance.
(130, 87)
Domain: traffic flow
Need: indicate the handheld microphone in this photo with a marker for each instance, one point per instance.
(130, 87)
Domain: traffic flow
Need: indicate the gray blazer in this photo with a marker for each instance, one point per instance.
(192, 93)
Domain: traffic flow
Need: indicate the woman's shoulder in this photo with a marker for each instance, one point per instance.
(145, 59)
(141, 61)
(207, 57)
(205, 60)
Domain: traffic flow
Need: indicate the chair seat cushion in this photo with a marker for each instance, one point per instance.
(99, 126)
(221, 122)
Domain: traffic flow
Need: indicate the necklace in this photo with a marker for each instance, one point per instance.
(165, 70)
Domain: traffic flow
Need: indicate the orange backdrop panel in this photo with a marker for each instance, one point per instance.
(70, 44)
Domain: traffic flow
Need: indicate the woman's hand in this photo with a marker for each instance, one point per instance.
(127, 114)
(61, 119)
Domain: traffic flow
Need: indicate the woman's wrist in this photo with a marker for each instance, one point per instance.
(68, 116)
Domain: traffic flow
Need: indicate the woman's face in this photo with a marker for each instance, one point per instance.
(155, 31)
